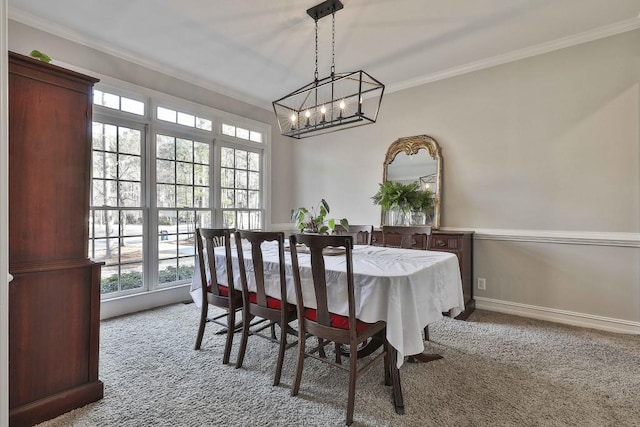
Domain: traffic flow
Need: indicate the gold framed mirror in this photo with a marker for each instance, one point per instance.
(416, 159)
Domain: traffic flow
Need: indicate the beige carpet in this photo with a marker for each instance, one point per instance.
(498, 370)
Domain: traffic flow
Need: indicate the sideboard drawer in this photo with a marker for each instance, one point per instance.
(444, 242)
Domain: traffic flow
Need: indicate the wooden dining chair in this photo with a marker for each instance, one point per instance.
(213, 292)
(330, 327)
(361, 233)
(416, 237)
(273, 309)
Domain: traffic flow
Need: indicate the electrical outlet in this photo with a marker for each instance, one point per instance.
(482, 284)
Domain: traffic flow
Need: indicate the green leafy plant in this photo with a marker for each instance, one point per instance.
(316, 221)
(39, 55)
(406, 198)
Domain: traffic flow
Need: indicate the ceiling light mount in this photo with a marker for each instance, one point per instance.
(332, 103)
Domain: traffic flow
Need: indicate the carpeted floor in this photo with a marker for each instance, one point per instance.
(498, 370)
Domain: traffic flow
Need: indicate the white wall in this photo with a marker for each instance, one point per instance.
(541, 158)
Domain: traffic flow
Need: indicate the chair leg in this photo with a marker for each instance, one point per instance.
(245, 336)
(300, 362)
(321, 352)
(426, 333)
(387, 362)
(338, 349)
(203, 321)
(353, 375)
(231, 321)
(283, 347)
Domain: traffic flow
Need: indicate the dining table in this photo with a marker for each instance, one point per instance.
(407, 288)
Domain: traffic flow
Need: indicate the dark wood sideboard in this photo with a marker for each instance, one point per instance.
(54, 298)
(457, 242)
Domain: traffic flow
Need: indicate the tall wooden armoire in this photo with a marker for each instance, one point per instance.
(54, 298)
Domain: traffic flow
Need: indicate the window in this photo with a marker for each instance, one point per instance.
(240, 188)
(116, 215)
(157, 175)
(183, 198)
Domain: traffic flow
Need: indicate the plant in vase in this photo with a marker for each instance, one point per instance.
(407, 200)
(316, 221)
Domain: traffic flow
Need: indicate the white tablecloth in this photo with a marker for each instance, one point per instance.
(407, 288)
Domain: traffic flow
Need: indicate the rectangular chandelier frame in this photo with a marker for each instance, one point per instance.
(330, 104)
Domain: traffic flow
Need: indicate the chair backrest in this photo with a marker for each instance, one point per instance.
(207, 239)
(316, 244)
(361, 233)
(256, 239)
(407, 236)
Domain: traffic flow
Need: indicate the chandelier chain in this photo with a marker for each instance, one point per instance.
(333, 42)
(316, 73)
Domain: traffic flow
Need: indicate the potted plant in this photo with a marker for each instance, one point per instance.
(405, 199)
(316, 221)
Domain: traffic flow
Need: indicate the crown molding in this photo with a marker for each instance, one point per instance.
(587, 36)
(65, 33)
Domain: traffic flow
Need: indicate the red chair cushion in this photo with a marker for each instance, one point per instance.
(337, 321)
(271, 302)
(224, 290)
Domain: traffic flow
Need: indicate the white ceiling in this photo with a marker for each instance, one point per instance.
(260, 50)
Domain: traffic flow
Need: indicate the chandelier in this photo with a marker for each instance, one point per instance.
(332, 103)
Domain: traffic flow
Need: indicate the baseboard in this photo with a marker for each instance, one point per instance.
(559, 316)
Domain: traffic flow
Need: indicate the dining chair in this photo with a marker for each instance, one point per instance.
(413, 237)
(274, 310)
(408, 240)
(213, 292)
(330, 327)
(361, 233)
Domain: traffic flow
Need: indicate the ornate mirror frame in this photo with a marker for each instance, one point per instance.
(411, 145)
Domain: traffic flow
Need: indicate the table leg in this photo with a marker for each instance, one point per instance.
(423, 357)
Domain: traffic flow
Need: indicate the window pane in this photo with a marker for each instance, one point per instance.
(167, 271)
(201, 197)
(167, 221)
(131, 276)
(132, 106)
(254, 180)
(241, 179)
(254, 200)
(201, 152)
(110, 165)
(227, 156)
(184, 173)
(132, 223)
(227, 198)
(109, 136)
(241, 159)
(255, 136)
(227, 177)
(166, 114)
(165, 148)
(184, 150)
(166, 195)
(186, 120)
(110, 193)
(228, 130)
(228, 219)
(130, 140)
(254, 161)
(243, 220)
(97, 136)
(242, 133)
(204, 124)
(129, 168)
(186, 221)
(241, 199)
(110, 100)
(98, 192)
(109, 279)
(165, 171)
(203, 219)
(130, 194)
(255, 220)
(98, 164)
(201, 175)
(185, 196)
